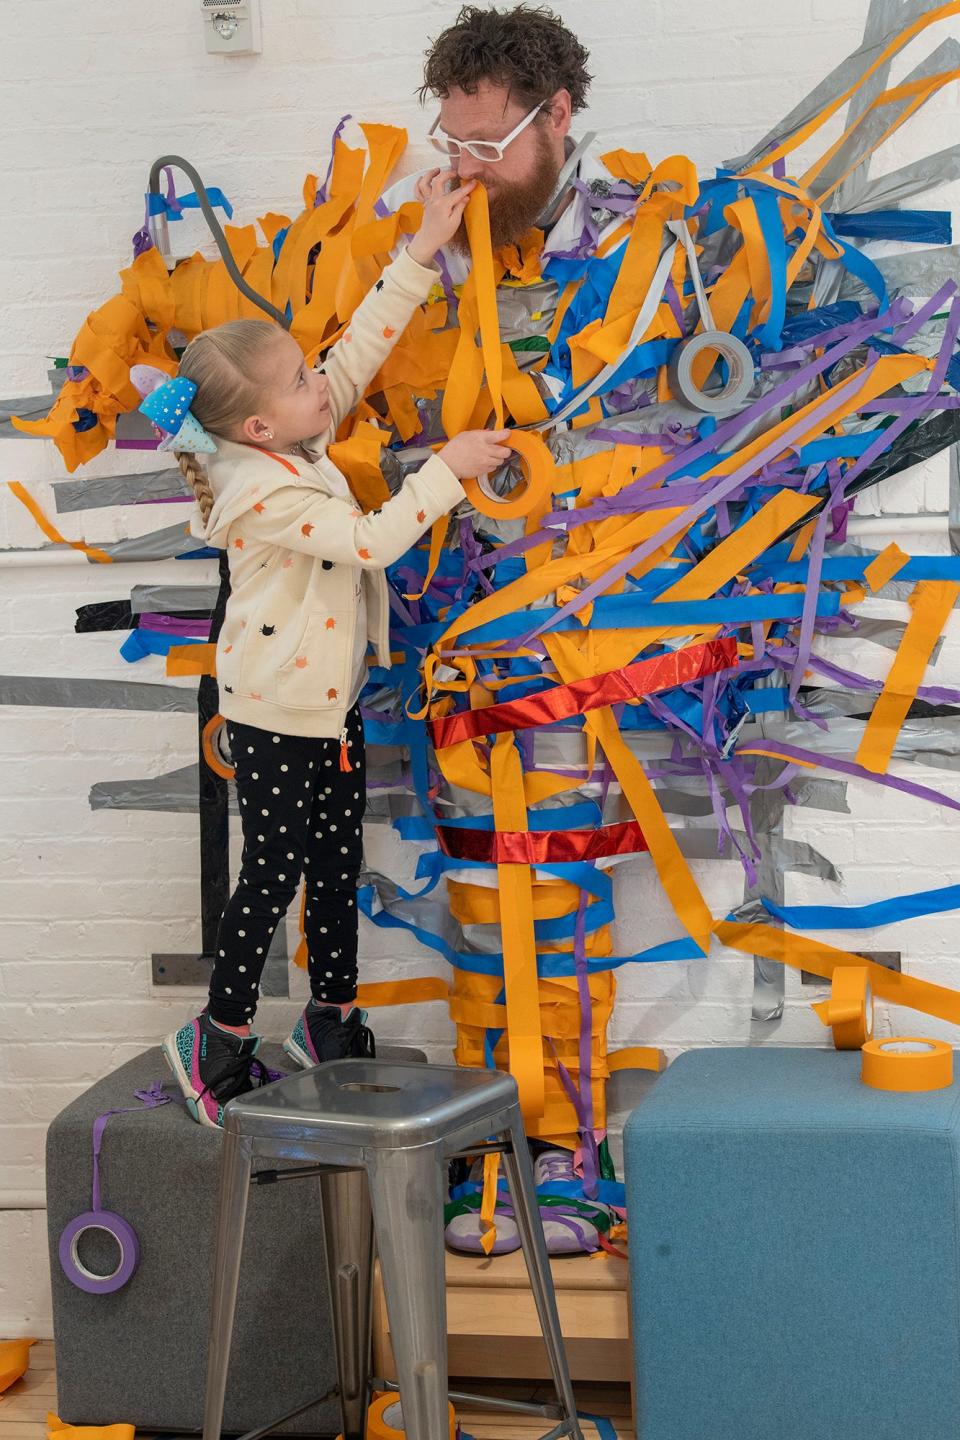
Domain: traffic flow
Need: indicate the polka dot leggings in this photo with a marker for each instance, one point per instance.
(301, 815)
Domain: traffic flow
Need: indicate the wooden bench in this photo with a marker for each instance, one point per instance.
(492, 1325)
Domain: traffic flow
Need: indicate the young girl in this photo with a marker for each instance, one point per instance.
(308, 592)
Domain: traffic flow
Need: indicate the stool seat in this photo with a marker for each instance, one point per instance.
(371, 1103)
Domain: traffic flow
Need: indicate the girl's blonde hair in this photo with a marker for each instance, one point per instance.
(226, 365)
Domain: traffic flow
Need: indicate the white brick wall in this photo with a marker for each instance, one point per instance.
(96, 92)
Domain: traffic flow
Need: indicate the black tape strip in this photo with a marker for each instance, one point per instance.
(214, 821)
(119, 615)
(105, 615)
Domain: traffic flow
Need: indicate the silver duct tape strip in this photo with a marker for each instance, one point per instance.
(847, 73)
(817, 794)
(163, 544)
(384, 809)
(931, 741)
(881, 17)
(954, 520)
(483, 939)
(945, 57)
(891, 190)
(830, 703)
(786, 854)
(32, 407)
(766, 816)
(430, 913)
(887, 633)
(168, 599)
(73, 495)
(176, 792)
(752, 912)
(919, 273)
(526, 311)
(65, 692)
(900, 590)
(682, 802)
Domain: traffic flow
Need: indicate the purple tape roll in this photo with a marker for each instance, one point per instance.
(98, 1219)
(74, 1268)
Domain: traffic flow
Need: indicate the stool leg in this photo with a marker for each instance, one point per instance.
(348, 1232)
(231, 1215)
(523, 1193)
(407, 1189)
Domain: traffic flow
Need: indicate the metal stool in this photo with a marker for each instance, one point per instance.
(400, 1124)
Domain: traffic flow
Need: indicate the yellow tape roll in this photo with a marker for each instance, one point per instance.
(907, 1063)
(849, 1011)
(539, 469)
(385, 1415)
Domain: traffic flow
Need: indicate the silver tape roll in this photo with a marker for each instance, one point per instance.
(739, 382)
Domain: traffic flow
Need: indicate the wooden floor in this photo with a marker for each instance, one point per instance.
(24, 1407)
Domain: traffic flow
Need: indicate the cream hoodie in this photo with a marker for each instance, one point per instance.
(302, 555)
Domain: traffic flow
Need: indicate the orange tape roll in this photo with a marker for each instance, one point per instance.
(849, 1011)
(538, 469)
(907, 1063)
(210, 742)
(385, 1416)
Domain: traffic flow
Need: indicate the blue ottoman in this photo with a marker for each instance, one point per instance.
(794, 1251)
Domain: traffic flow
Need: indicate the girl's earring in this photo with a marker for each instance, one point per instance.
(269, 434)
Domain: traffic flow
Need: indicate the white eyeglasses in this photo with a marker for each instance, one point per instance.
(489, 151)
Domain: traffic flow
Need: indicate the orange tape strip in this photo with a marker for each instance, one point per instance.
(806, 954)
(192, 660)
(519, 945)
(885, 566)
(417, 991)
(637, 1057)
(932, 602)
(52, 533)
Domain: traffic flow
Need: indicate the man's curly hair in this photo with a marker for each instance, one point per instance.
(528, 49)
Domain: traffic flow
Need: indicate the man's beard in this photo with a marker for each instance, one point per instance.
(514, 207)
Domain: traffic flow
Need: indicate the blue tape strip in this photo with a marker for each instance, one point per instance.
(160, 205)
(760, 702)
(866, 917)
(852, 567)
(631, 612)
(140, 643)
(928, 227)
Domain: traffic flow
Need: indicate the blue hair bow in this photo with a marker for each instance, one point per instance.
(167, 404)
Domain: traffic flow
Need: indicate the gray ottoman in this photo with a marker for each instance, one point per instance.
(138, 1354)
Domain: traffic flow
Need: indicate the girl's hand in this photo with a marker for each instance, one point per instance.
(442, 213)
(475, 452)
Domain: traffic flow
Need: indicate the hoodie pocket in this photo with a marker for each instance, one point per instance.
(315, 677)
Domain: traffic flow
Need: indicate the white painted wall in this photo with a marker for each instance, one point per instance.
(95, 93)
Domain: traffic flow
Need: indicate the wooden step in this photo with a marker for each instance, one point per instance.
(494, 1332)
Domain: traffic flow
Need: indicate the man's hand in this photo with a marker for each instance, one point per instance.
(475, 452)
(442, 213)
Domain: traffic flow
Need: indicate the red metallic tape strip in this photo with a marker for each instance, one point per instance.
(540, 847)
(644, 677)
